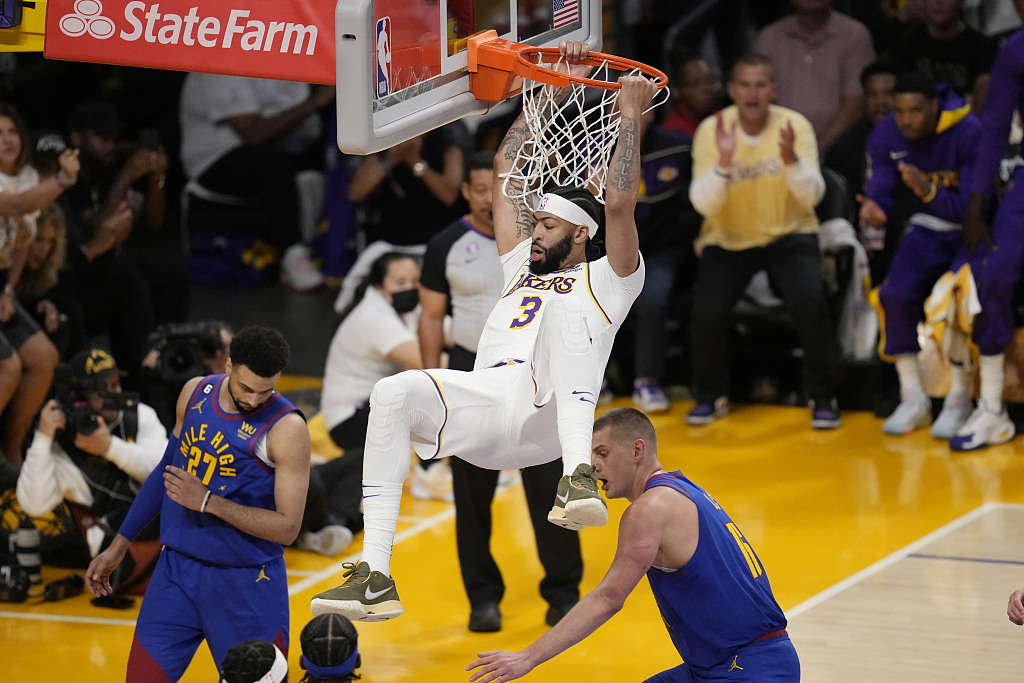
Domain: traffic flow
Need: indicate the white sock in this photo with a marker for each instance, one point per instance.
(910, 377)
(381, 501)
(958, 384)
(991, 368)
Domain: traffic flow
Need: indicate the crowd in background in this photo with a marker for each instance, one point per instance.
(94, 161)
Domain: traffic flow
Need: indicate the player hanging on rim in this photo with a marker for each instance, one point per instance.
(531, 396)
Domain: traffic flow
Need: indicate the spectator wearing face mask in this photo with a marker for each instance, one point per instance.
(375, 339)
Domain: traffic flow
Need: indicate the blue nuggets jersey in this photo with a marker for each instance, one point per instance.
(220, 449)
(721, 599)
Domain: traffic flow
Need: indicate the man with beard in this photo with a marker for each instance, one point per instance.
(756, 181)
(230, 491)
(531, 396)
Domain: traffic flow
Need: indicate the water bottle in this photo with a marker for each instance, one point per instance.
(26, 549)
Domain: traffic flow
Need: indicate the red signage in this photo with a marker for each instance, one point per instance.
(286, 39)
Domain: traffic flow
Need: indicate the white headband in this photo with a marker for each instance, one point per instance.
(278, 670)
(561, 207)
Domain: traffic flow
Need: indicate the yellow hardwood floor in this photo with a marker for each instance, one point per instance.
(892, 556)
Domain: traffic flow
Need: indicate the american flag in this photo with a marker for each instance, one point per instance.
(565, 12)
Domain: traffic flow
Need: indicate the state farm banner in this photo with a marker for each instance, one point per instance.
(284, 39)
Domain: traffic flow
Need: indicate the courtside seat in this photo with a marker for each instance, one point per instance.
(202, 208)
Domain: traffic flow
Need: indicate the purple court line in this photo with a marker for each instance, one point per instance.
(956, 558)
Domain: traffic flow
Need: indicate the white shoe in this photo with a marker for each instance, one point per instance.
(954, 415)
(650, 399)
(298, 271)
(328, 541)
(433, 483)
(983, 428)
(508, 478)
(911, 414)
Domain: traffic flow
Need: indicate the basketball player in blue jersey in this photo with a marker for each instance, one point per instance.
(230, 492)
(531, 396)
(710, 586)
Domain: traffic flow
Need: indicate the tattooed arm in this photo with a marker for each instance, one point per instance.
(513, 218)
(621, 238)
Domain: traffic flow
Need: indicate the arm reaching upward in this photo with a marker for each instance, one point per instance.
(621, 237)
(513, 218)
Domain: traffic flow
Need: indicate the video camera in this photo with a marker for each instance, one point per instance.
(79, 416)
(182, 347)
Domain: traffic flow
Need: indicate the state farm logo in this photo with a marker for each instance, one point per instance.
(147, 23)
(87, 19)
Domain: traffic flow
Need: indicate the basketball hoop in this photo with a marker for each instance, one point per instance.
(572, 121)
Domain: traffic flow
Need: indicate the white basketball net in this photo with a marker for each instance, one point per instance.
(569, 143)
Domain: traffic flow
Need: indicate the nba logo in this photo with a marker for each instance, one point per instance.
(383, 56)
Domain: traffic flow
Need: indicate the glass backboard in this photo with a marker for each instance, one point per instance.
(402, 64)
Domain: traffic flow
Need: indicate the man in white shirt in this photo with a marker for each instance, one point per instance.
(95, 453)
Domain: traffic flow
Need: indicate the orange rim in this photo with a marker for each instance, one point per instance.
(528, 66)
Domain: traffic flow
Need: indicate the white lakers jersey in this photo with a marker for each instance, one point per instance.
(511, 329)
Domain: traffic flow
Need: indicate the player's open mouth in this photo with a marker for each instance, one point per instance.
(536, 253)
(604, 484)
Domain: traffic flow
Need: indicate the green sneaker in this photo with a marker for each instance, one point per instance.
(578, 503)
(366, 596)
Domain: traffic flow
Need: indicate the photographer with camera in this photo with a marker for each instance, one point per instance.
(127, 279)
(93, 448)
(177, 353)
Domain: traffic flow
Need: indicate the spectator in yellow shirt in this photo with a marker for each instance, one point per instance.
(756, 181)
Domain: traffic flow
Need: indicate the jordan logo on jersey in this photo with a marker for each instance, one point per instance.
(734, 665)
(199, 406)
(263, 574)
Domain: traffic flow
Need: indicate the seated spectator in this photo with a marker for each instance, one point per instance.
(92, 449)
(696, 93)
(947, 50)
(250, 137)
(27, 357)
(848, 156)
(40, 290)
(114, 171)
(330, 649)
(820, 46)
(376, 338)
(254, 661)
(756, 182)
(101, 211)
(410, 192)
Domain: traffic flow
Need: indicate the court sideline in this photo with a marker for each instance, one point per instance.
(880, 548)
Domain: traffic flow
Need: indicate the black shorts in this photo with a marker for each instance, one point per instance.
(16, 331)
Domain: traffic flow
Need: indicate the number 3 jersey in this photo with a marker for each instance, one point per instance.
(227, 451)
(511, 329)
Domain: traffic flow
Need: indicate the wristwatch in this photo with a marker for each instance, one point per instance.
(419, 168)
